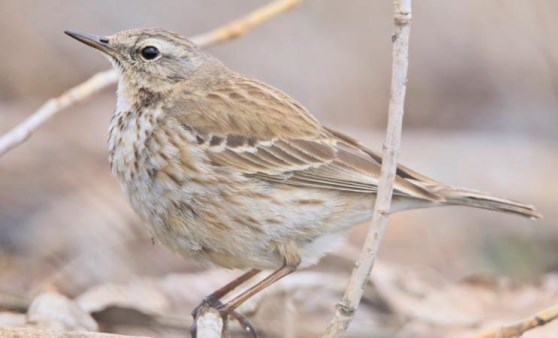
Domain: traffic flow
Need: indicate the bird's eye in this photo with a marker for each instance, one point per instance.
(149, 52)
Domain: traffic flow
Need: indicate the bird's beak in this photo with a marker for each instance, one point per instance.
(101, 43)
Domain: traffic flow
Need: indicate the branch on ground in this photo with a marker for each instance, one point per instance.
(517, 329)
(18, 332)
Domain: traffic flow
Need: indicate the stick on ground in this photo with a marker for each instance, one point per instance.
(516, 330)
(28, 332)
(345, 309)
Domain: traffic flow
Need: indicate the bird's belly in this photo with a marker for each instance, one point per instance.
(217, 215)
(244, 226)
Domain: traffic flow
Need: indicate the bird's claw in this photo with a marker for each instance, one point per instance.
(207, 302)
(242, 320)
(225, 312)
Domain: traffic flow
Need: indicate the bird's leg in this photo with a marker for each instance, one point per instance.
(213, 301)
(291, 258)
(229, 308)
(274, 277)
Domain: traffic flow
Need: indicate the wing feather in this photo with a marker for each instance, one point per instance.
(262, 133)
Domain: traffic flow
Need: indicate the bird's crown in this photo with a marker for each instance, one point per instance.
(153, 57)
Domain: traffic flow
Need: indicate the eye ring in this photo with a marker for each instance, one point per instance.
(149, 53)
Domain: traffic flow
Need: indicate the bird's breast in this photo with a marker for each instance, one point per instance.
(129, 134)
(155, 161)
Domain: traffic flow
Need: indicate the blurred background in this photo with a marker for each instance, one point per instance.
(481, 112)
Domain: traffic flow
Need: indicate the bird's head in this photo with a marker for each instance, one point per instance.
(148, 58)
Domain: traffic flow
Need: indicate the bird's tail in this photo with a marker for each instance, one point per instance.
(477, 199)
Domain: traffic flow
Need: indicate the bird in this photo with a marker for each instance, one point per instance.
(230, 171)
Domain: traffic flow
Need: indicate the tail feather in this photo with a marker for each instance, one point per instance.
(477, 199)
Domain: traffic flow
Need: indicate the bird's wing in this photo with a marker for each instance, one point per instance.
(262, 133)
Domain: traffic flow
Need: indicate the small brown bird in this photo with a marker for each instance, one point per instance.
(231, 171)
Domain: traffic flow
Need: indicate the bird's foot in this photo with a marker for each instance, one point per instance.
(207, 302)
(242, 320)
(225, 312)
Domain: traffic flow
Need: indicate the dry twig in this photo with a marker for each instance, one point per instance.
(19, 332)
(245, 24)
(517, 329)
(209, 324)
(23, 131)
(101, 80)
(345, 309)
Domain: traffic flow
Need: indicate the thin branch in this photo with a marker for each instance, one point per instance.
(18, 332)
(516, 330)
(346, 308)
(24, 130)
(209, 324)
(245, 24)
(101, 80)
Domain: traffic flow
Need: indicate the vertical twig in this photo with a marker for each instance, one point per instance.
(346, 308)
